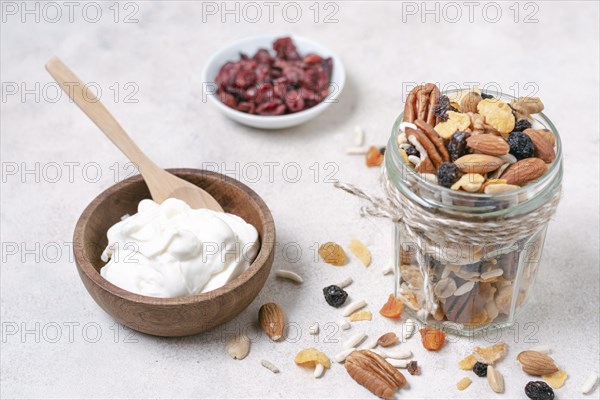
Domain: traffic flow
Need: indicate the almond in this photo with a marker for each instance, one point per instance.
(543, 149)
(488, 144)
(478, 163)
(272, 320)
(524, 171)
(536, 363)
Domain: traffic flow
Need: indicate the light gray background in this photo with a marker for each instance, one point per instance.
(163, 54)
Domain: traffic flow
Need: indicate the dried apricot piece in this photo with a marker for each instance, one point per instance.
(490, 355)
(391, 309)
(374, 157)
(557, 379)
(433, 339)
(467, 363)
(332, 253)
(310, 357)
(361, 316)
(360, 251)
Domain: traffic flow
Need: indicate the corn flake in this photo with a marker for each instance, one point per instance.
(557, 379)
(361, 316)
(309, 358)
(360, 251)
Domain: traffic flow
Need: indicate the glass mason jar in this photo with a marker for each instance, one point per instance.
(464, 287)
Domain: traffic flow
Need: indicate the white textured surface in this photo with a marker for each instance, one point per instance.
(164, 54)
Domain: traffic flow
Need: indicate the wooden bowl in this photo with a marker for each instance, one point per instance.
(179, 316)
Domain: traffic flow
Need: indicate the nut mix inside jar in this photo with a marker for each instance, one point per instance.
(477, 178)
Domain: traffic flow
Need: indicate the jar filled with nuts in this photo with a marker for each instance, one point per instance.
(475, 178)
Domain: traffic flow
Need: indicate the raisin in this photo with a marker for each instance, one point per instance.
(335, 295)
(521, 125)
(539, 390)
(521, 145)
(412, 151)
(480, 369)
(442, 107)
(447, 174)
(486, 96)
(382, 150)
(457, 145)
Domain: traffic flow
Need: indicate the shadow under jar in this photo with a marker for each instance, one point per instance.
(446, 277)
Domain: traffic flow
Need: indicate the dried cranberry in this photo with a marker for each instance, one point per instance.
(271, 108)
(286, 49)
(246, 107)
(312, 58)
(228, 99)
(294, 101)
(262, 56)
(244, 79)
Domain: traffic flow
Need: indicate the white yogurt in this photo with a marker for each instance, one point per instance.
(172, 250)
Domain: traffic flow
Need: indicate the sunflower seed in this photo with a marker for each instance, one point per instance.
(464, 288)
(399, 354)
(541, 349)
(589, 383)
(289, 275)
(344, 324)
(492, 274)
(359, 138)
(388, 270)
(356, 151)
(270, 366)
(445, 288)
(319, 369)
(409, 328)
(345, 283)
(341, 356)
(352, 307)
(354, 340)
(397, 363)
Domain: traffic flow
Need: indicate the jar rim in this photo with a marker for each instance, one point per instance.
(543, 181)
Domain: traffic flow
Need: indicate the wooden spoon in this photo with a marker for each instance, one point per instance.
(162, 184)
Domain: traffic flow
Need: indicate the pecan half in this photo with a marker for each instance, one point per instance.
(429, 147)
(420, 103)
(433, 136)
(374, 373)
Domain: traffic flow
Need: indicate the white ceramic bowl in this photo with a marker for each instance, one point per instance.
(249, 46)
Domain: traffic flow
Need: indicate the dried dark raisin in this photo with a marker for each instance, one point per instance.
(486, 96)
(521, 125)
(382, 150)
(447, 174)
(521, 145)
(335, 295)
(539, 390)
(457, 145)
(412, 151)
(480, 369)
(442, 107)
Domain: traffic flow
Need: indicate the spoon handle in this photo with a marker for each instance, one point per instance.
(95, 110)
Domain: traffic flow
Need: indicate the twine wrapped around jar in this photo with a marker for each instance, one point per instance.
(440, 227)
(427, 227)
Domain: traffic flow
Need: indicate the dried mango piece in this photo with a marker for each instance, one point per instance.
(498, 114)
(332, 253)
(433, 339)
(392, 309)
(467, 363)
(361, 316)
(463, 383)
(310, 357)
(455, 122)
(374, 157)
(490, 355)
(557, 379)
(360, 251)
